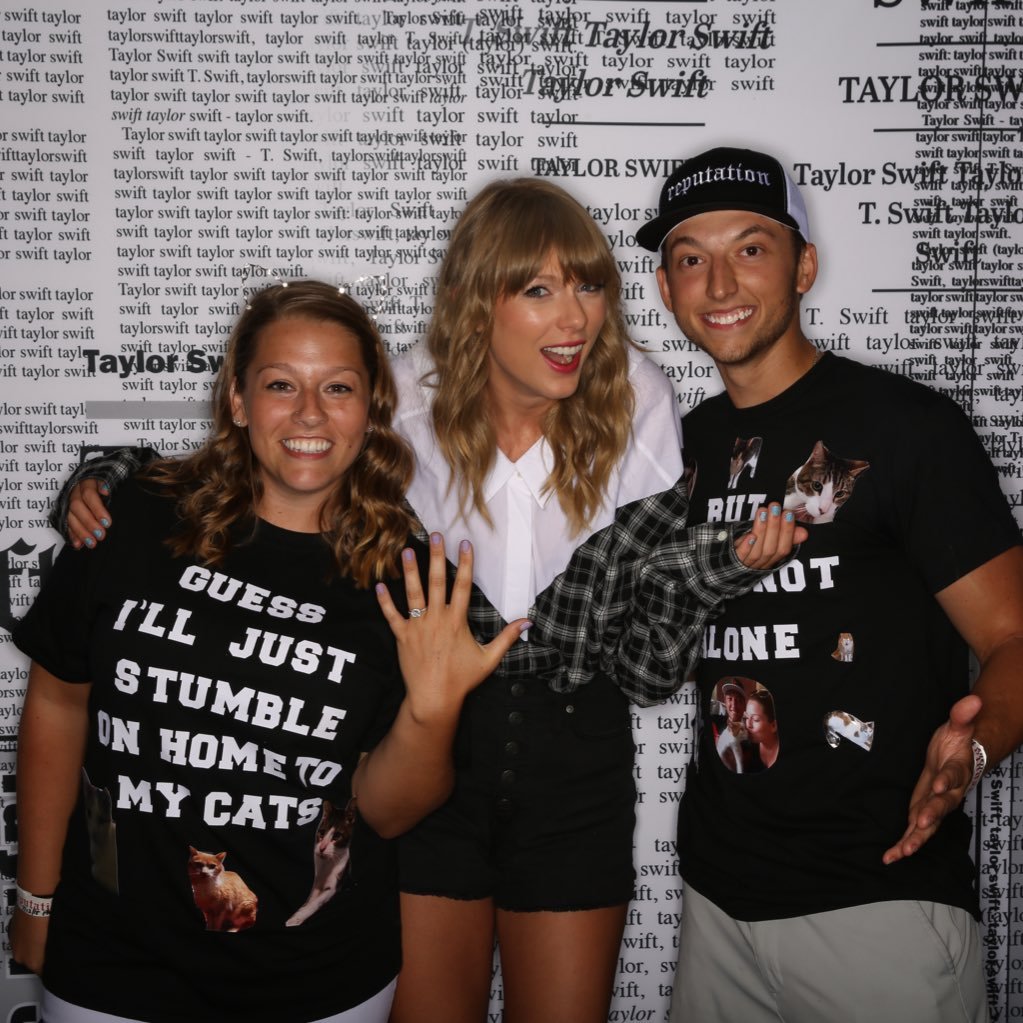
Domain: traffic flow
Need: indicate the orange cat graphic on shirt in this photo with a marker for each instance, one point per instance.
(226, 901)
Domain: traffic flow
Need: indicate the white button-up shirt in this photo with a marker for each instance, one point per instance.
(529, 543)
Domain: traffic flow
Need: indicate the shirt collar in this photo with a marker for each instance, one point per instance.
(534, 467)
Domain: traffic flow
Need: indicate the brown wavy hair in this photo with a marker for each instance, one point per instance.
(365, 520)
(500, 243)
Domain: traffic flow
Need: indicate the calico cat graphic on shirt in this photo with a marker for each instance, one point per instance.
(840, 724)
(331, 852)
(821, 485)
(745, 455)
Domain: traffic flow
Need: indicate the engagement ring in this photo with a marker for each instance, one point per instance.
(416, 612)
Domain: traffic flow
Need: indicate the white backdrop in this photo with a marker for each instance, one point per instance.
(158, 156)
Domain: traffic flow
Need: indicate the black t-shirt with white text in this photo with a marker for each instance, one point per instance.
(821, 688)
(228, 703)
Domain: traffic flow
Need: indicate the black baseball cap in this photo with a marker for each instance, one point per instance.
(726, 179)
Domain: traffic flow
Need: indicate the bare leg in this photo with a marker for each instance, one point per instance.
(559, 967)
(447, 952)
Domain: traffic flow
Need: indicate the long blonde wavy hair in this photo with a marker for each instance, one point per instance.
(502, 240)
(365, 520)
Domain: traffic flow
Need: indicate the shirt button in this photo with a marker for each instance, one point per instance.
(518, 689)
(511, 748)
(570, 709)
(508, 778)
(515, 718)
(504, 806)
(722, 535)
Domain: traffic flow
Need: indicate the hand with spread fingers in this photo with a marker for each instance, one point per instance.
(440, 658)
(945, 780)
(770, 541)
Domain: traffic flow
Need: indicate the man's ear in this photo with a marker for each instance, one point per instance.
(662, 287)
(806, 272)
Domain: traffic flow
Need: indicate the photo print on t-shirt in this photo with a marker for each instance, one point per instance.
(689, 473)
(744, 726)
(102, 829)
(840, 724)
(331, 852)
(226, 902)
(821, 485)
(845, 648)
(745, 455)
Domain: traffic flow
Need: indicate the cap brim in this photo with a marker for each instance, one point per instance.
(652, 235)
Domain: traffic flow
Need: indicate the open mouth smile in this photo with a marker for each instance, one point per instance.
(563, 357)
(730, 318)
(307, 445)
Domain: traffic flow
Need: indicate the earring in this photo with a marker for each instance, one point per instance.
(370, 428)
(238, 422)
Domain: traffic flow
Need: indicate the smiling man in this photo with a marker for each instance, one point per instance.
(858, 897)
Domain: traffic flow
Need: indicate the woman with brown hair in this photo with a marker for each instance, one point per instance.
(216, 737)
(762, 726)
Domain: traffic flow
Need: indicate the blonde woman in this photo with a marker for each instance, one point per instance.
(547, 439)
(551, 442)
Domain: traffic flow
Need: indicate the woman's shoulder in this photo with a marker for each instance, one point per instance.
(656, 423)
(647, 378)
(143, 501)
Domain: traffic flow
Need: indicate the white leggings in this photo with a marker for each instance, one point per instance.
(373, 1010)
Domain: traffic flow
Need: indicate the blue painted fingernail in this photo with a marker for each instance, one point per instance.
(465, 546)
(763, 516)
(105, 523)
(381, 589)
(89, 542)
(525, 626)
(776, 510)
(104, 489)
(408, 555)
(752, 541)
(98, 533)
(789, 516)
(435, 539)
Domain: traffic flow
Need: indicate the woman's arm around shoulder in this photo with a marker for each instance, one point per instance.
(79, 512)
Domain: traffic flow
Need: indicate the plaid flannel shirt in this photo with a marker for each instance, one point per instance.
(631, 604)
(111, 469)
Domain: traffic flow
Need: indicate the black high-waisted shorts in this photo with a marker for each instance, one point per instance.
(543, 810)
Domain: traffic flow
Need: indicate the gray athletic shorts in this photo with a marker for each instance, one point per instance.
(887, 962)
